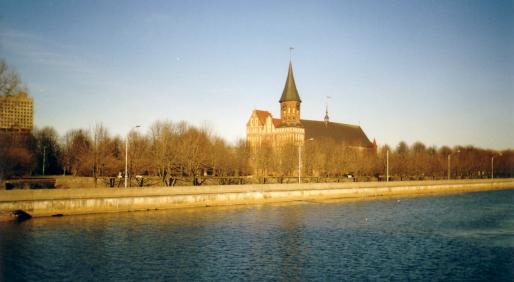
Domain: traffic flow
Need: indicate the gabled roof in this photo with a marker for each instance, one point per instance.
(262, 115)
(290, 92)
(350, 135)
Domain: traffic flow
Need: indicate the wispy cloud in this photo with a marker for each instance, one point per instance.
(44, 52)
(61, 59)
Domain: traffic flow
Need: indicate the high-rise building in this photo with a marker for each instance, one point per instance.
(16, 112)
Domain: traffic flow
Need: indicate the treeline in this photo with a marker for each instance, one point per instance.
(168, 150)
(172, 150)
(419, 160)
(327, 158)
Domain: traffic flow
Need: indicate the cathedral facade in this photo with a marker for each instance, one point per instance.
(263, 129)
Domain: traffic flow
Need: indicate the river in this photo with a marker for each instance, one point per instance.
(461, 237)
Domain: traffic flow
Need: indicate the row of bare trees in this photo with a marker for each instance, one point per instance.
(168, 150)
(327, 158)
(418, 160)
(172, 150)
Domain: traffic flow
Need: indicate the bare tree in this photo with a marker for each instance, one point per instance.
(78, 152)
(47, 151)
(163, 151)
(242, 158)
(16, 154)
(194, 147)
(139, 154)
(10, 82)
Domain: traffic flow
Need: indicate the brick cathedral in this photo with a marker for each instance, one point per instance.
(262, 128)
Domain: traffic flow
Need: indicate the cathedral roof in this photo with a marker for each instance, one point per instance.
(290, 92)
(351, 135)
(262, 115)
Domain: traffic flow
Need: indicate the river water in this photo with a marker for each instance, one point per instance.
(462, 237)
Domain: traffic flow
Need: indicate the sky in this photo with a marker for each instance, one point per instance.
(439, 72)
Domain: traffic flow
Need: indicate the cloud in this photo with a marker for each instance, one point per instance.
(44, 52)
(62, 60)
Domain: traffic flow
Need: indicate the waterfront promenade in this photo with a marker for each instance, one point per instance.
(100, 200)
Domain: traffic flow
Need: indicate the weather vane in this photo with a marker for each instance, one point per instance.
(290, 52)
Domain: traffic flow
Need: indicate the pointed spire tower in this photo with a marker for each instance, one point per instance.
(326, 119)
(290, 101)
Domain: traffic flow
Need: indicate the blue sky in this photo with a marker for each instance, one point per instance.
(441, 72)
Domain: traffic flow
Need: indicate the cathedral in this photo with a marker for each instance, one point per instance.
(262, 128)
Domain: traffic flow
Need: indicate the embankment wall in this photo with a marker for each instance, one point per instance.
(99, 200)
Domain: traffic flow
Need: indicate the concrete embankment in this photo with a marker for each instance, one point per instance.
(83, 201)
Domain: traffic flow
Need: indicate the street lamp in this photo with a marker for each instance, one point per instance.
(44, 159)
(449, 164)
(387, 165)
(300, 161)
(126, 154)
(492, 165)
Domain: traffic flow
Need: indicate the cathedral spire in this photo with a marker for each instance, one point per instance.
(290, 92)
(290, 101)
(326, 119)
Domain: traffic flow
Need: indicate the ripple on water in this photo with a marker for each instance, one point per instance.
(460, 237)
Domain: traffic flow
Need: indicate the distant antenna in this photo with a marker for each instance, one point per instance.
(290, 52)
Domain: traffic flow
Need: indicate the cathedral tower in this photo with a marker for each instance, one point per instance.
(290, 102)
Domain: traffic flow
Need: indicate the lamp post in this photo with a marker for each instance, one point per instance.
(300, 161)
(387, 165)
(44, 160)
(449, 164)
(492, 165)
(449, 158)
(126, 154)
